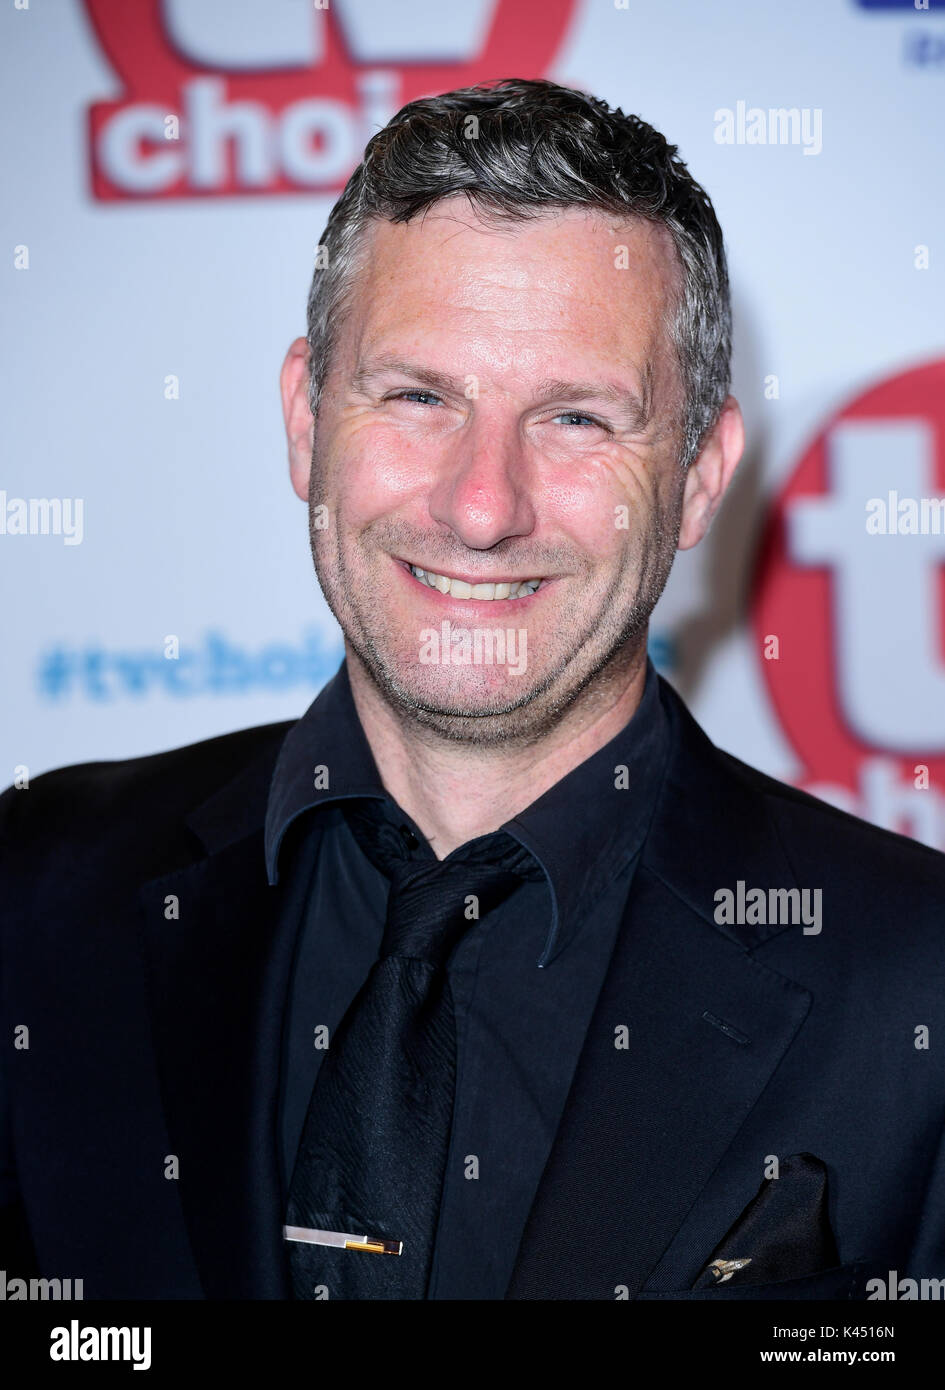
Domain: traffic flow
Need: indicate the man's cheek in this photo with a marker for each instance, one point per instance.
(636, 477)
(385, 473)
(597, 518)
(618, 478)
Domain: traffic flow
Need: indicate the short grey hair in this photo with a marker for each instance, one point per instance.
(517, 148)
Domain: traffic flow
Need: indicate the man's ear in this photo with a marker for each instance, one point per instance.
(710, 474)
(299, 422)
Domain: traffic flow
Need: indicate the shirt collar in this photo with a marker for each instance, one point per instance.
(583, 831)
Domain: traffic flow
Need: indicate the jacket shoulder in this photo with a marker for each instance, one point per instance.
(734, 809)
(125, 798)
(813, 831)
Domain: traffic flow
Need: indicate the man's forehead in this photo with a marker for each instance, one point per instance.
(586, 270)
(462, 228)
(415, 308)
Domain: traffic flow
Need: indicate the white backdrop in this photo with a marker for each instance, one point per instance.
(150, 291)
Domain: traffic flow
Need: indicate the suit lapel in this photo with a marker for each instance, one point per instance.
(647, 1123)
(218, 975)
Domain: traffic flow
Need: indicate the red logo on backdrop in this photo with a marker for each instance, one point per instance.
(851, 587)
(282, 129)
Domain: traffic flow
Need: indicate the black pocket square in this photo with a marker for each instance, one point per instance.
(783, 1233)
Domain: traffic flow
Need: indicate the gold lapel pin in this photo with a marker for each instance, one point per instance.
(724, 1269)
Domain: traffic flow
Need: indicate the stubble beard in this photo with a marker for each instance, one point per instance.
(615, 653)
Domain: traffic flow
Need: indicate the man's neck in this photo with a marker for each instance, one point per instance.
(456, 791)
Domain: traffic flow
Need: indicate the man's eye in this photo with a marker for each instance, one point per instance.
(579, 420)
(422, 397)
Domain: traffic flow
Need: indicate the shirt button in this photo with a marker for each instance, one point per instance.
(409, 838)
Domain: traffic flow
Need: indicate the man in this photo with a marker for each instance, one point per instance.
(490, 977)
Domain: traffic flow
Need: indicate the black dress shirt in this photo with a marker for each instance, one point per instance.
(524, 980)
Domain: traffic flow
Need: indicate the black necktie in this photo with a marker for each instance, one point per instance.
(373, 1151)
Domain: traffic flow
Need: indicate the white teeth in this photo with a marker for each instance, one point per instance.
(461, 588)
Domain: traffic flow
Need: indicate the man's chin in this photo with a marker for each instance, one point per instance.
(451, 695)
(477, 706)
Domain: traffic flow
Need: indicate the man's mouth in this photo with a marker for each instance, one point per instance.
(461, 588)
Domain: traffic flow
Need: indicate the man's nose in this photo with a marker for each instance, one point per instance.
(482, 490)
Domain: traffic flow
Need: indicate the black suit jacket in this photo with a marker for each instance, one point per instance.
(149, 959)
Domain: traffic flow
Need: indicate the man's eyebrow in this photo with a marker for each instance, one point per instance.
(377, 366)
(636, 409)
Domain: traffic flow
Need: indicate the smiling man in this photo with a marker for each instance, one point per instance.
(498, 445)
(442, 992)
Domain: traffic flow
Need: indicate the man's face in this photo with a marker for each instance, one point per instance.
(501, 406)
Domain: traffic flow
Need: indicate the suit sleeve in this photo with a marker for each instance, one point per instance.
(16, 1248)
(927, 1258)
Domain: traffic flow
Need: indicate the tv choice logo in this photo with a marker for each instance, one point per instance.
(198, 117)
(215, 665)
(859, 680)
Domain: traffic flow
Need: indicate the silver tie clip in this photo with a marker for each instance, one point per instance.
(342, 1240)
